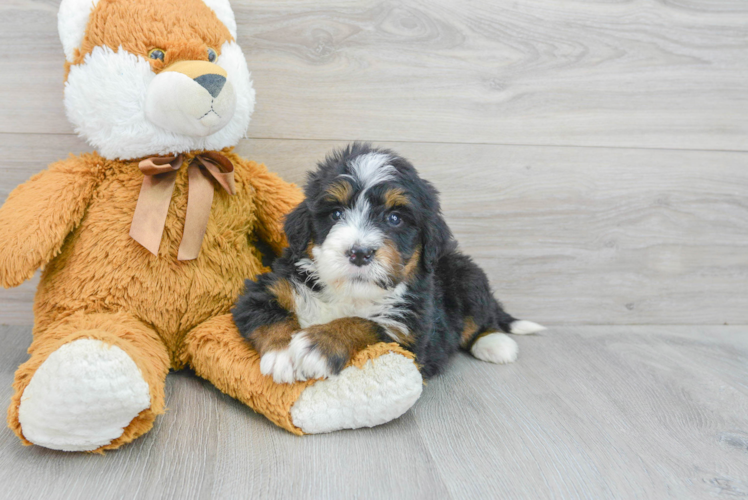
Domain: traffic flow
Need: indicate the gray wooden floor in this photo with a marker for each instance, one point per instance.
(593, 158)
(586, 412)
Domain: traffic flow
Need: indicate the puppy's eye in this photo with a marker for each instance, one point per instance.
(156, 54)
(336, 215)
(394, 219)
(212, 55)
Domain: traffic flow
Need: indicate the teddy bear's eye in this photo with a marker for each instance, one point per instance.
(156, 54)
(212, 55)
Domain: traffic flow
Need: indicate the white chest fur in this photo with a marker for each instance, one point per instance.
(363, 300)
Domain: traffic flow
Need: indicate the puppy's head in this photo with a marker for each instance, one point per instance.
(368, 221)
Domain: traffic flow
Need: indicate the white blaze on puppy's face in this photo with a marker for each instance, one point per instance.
(355, 229)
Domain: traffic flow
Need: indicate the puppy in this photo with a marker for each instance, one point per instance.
(371, 259)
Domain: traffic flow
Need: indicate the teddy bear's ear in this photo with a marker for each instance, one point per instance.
(72, 19)
(223, 11)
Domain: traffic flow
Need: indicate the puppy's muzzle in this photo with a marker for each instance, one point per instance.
(361, 256)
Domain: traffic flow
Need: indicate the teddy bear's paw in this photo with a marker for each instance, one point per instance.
(382, 390)
(82, 397)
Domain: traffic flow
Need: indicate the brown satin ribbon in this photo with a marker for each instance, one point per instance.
(155, 196)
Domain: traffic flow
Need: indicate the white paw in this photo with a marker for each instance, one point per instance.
(308, 362)
(496, 348)
(278, 364)
(82, 397)
(381, 391)
(524, 327)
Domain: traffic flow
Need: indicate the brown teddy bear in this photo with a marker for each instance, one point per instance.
(145, 243)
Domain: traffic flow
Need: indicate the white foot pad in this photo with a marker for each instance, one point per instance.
(495, 348)
(82, 397)
(379, 392)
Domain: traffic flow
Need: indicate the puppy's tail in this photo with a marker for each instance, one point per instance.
(508, 324)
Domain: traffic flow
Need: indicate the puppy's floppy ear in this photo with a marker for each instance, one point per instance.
(436, 238)
(298, 228)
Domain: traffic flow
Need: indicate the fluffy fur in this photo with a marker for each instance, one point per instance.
(369, 249)
(108, 307)
(111, 74)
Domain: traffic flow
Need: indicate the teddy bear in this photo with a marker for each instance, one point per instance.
(145, 243)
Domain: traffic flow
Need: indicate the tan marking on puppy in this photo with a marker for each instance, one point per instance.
(395, 197)
(309, 252)
(340, 339)
(410, 267)
(275, 336)
(390, 258)
(284, 293)
(468, 331)
(340, 191)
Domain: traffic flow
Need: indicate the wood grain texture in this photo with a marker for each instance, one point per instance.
(586, 412)
(657, 74)
(567, 235)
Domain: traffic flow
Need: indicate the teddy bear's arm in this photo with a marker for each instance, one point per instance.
(38, 215)
(274, 198)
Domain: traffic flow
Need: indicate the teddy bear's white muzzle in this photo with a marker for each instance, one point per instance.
(196, 107)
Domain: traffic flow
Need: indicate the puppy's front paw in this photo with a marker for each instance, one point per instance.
(278, 364)
(310, 360)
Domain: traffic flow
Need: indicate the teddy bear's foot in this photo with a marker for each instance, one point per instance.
(82, 397)
(381, 390)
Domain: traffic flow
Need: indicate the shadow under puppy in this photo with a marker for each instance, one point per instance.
(371, 259)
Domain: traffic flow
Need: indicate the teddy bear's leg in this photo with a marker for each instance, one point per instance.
(381, 383)
(93, 382)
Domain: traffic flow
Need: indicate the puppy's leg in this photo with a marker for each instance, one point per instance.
(264, 316)
(483, 317)
(320, 351)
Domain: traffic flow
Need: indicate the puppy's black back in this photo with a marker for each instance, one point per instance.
(457, 305)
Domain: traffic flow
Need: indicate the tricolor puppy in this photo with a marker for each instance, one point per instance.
(371, 259)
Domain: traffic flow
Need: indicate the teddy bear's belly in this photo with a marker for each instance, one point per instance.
(102, 269)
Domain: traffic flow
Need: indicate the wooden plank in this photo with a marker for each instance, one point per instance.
(257, 460)
(586, 412)
(635, 74)
(566, 235)
(596, 412)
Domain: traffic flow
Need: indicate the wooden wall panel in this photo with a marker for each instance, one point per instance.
(657, 74)
(567, 235)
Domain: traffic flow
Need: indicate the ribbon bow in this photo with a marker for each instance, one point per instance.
(155, 195)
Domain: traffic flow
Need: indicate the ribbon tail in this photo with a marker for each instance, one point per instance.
(199, 201)
(150, 213)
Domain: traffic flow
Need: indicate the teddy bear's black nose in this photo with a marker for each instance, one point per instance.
(212, 83)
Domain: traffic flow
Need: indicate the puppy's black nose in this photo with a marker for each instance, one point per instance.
(212, 83)
(360, 256)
